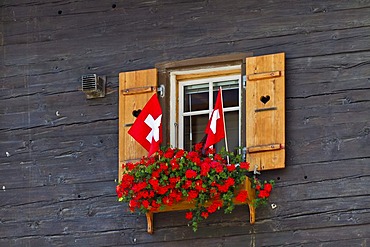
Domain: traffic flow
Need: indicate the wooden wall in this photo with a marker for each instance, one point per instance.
(58, 150)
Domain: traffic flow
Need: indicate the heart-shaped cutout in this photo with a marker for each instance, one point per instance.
(265, 99)
(136, 113)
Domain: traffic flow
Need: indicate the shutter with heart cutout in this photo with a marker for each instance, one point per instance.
(265, 111)
(135, 90)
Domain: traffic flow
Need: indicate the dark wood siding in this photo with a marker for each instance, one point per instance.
(58, 150)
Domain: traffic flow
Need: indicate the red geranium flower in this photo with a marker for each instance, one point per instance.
(244, 165)
(187, 184)
(174, 164)
(180, 153)
(198, 147)
(155, 174)
(163, 166)
(267, 187)
(154, 183)
(192, 194)
(174, 180)
(143, 194)
(162, 190)
(242, 196)
(167, 200)
(139, 186)
(190, 174)
(193, 156)
(133, 204)
(145, 203)
(199, 185)
(214, 206)
(204, 168)
(231, 167)
(263, 194)
(230, 181)
(210, 151)
(222, 188)
(218, 157)
(151, 194)
(189, 215)
(219, 168)
(119, 191)
(169, 153)
(130, 166)
(204, 215)
(155, 206)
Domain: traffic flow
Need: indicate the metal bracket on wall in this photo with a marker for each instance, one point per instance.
(161, 90)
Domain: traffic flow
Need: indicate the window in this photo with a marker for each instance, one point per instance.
(192, 105)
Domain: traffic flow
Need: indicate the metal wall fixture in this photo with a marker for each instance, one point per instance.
(93, 86)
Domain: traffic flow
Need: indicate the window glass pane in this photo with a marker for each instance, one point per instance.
(230, 92)
(194, 127)
(232, 131)
(196, 97)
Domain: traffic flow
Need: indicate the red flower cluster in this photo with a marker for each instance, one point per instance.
(174, 175)
(263, 191)
(242, 196)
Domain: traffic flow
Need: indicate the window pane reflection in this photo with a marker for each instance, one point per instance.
(195, 126)
(194, 130)
(196, 97)
(230, 92)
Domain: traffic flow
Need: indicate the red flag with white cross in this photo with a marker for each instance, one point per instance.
(216, 127)
(147, 128)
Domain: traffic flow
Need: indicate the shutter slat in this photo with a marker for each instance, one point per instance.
(263, 148)
(138, 90)
(261, 76)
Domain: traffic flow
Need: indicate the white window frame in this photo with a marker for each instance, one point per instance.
(176, 126)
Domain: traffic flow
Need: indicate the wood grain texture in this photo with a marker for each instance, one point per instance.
(136, 81)
(265, 111)
(59, 151)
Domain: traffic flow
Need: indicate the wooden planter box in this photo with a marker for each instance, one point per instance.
(185, 205)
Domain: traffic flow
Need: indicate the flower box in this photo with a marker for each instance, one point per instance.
(186, 205)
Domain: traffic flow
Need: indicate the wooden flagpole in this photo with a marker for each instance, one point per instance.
(223, 117)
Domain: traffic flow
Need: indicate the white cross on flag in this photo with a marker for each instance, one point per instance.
(216, 128)
(147, 128)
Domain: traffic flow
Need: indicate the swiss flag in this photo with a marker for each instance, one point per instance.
(216, 128)
(147, 128)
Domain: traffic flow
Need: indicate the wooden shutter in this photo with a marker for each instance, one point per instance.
(135, 90)
(265, 111)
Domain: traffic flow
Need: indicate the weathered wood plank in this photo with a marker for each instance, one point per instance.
(303, 18)
(340, 236)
